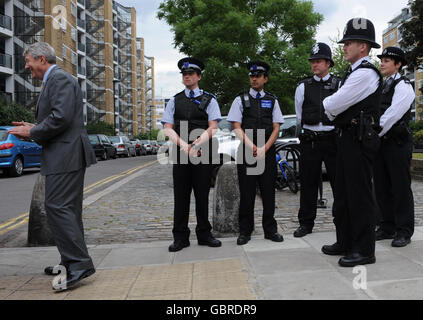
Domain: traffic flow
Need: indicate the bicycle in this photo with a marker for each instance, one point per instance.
(287, 177)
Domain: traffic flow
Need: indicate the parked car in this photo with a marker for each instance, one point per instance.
(147, 145)
(16, 154)
(154, 147)
(123, 146)
(103, 147)
(139, 147)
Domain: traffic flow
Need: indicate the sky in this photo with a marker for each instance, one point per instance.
(159, 38)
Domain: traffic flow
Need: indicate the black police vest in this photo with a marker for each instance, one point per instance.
(314, 93)
(386, 100)
(369, 106)
(192, 110)
(258, 113)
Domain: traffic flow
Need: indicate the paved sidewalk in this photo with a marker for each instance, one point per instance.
(293, 269)
(128, 230)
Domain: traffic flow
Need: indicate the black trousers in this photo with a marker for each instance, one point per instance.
(313, 154)
(355, 212)
(247, 186)
(393, 187)
(187, 177)
(63, 204)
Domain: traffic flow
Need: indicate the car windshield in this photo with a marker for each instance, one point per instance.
(93, 139)
(3, 135)
(114, 139)
(289, 128)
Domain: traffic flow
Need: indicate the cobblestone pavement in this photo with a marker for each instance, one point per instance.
(142, 210)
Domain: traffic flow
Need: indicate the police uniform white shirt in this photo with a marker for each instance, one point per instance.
(212, 110)
(235, 113)
(299, 100)
(360, 84)
(401, 102)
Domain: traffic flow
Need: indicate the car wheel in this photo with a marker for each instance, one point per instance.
(17, 167)
(104, 155)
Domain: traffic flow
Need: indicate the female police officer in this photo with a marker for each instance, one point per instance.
(189, 111)
(392, 166)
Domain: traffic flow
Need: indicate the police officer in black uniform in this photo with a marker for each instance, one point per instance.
(355, 111)
(187, 111)
(318, 138)
(259, 111)
(392, 166)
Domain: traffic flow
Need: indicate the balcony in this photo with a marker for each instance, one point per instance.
(6, 22)
(5, 60)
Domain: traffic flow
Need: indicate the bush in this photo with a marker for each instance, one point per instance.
(100, 127)
(418, 138)
(14, 112)
(416, 126)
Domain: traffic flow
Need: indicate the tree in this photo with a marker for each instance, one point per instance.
(14, 112)
(226, 34)
(412, 35)
(100, 127)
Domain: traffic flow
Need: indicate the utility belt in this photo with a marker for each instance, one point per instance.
(362, 125)
(311, 136)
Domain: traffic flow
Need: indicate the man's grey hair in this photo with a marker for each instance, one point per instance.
(38, 49)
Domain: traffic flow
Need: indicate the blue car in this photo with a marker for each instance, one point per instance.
(16, 154)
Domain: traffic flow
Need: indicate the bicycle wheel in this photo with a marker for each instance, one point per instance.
(291, 178)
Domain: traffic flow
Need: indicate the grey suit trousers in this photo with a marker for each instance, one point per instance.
(63, 203)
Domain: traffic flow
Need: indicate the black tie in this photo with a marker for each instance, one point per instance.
(387, 85)
(191, 94)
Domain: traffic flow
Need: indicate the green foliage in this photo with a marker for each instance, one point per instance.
(151, 135)
(100, 127)
(418, 137)
(226, 34)
(14, 112)
(416, 126)
(412, 35)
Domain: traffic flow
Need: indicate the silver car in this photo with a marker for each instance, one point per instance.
(123, 146)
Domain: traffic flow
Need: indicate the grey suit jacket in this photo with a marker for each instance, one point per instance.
(60, 126)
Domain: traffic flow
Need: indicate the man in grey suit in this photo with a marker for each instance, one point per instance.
(66, 154)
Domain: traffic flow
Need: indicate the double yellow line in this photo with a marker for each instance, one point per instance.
(23, 218)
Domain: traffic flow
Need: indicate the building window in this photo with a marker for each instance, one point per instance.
(74, 34)
(74, 58)
(73, 9)
(64, 51)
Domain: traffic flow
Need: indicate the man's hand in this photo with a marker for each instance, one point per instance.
(22, 130)
(261, 152)
(23, 123)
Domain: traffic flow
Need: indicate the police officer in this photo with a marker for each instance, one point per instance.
(392, 167)
(318, 138)
(354, 108)
(254, 110)
(190, 110)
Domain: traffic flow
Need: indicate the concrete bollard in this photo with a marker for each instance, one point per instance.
(226, 200)
(39, 233)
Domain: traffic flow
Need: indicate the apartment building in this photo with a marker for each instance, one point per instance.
(95, 41)
(392, 37)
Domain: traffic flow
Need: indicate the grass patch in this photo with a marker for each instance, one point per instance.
(418, 156)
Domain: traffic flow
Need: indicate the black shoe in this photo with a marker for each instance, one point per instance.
(302, 231)
(382, 235)
(356, 259)
(243, 240)
(210, 241)
(178, 245)
(73, 277)
(333, 250)
(49, 271)
(400, 241)
(276, 237)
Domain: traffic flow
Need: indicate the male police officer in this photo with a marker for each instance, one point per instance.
(255, 110)
(318, 138)
(355, 111)
(187, 111)
(392, 166)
